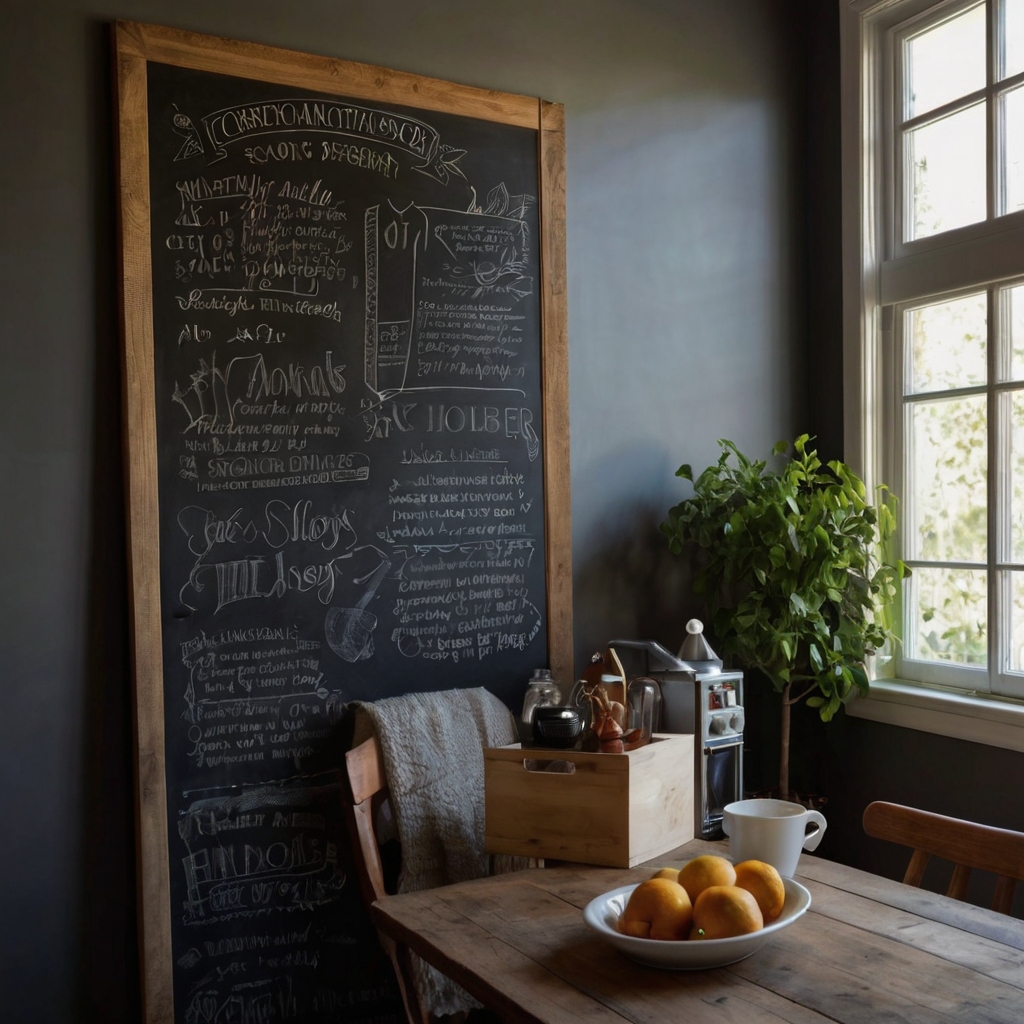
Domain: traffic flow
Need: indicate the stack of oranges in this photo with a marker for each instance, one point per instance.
(708, 898)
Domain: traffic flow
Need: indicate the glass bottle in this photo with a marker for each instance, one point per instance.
(542, 691)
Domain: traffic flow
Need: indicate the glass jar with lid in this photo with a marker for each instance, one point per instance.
(542, 691)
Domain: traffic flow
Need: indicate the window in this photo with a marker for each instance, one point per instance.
(933, 157)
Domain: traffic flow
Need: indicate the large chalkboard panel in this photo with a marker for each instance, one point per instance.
(345, 394)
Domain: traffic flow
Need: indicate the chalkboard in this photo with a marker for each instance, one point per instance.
(347, 448)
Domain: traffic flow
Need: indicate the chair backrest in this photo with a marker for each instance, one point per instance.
(367, 782)
(967, 844)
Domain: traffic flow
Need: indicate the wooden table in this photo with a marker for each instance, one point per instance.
(869, 950)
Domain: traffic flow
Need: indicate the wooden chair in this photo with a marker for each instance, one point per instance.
(968, 845)
(368, 784)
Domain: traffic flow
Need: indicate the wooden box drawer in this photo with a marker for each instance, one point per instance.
(612, 809)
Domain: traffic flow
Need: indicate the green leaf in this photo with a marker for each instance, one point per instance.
(685, 471)
(860, 679)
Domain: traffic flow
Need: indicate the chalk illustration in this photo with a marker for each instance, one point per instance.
(350, 630)
(426, 271)
(183, 126)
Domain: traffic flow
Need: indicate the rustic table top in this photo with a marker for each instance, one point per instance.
(869, 950)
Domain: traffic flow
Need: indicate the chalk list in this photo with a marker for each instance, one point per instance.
(347, 366)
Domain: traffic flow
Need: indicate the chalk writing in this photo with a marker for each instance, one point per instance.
(346, 334)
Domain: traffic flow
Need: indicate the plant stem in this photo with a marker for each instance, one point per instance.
(800, 696)
(784, 745)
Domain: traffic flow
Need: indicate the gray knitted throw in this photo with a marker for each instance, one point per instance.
(432, 746)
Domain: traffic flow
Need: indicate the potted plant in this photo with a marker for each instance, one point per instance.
(791, 564)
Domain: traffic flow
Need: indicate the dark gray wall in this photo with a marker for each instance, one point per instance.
(688, 232)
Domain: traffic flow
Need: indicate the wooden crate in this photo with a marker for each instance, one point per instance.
(614, 809)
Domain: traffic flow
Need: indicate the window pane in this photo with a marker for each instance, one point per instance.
(1014, 326)
(946, 489)
(1012, 105)
(1016, 495)
(1013, 37)
(1017, 622)
(947, 615)
(945, 165)
(946, 62)
(948, 344)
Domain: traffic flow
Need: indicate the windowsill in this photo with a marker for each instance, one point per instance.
(997, 723)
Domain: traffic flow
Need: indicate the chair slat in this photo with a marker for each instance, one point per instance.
(1003, 899)
(958, 883)
(915, 869)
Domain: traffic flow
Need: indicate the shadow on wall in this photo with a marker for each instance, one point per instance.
(108, 981)
(629, 585)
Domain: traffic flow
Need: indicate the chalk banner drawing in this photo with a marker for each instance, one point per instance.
(349, 421)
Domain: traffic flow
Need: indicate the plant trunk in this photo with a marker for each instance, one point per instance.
(784, 745)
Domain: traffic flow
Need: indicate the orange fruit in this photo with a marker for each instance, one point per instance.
(723, 911)
(765, 884)
(705, 871)
(670, 873)
(657, 909)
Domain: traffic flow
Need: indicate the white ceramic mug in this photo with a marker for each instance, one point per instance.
(774, 831)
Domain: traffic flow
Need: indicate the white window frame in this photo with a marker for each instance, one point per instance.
(883, 275)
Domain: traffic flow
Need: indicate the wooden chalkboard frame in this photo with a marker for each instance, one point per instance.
(134, 45)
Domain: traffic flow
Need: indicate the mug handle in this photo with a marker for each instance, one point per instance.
(811, 841)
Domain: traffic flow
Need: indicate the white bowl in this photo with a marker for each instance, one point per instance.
(602, 916)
